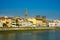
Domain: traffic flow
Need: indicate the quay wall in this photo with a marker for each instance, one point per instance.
(25, 28)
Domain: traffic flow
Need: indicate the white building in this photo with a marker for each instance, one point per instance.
(55, 23)
(51, 24)
(25, 24)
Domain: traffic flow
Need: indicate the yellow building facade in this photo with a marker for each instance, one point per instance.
(6, 20)
(33, 20)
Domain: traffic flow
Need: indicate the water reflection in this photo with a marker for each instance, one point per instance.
(54, 35)
(45, 35)
(7, 36)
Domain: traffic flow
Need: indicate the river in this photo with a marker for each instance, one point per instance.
(31, 35)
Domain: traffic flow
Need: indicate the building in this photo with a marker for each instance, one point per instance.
(39, 22)
(1, 25)
(54, 23)
(26, 14)
(17, 21)
(43, 18)
(33, 20)
(9, 21)
(4, 20)
(38, 17)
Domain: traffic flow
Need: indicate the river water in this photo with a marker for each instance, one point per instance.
(31, 35)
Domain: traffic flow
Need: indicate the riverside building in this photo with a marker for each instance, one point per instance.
(54, 23)
(17, 21)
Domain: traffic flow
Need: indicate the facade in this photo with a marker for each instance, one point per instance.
(13, 23)
(45, 24)
(19, 22)
(8, 22)
(38, 17)
(1, 25)
(54, 23)
(39, 23)
(33, 20)
(51, 24)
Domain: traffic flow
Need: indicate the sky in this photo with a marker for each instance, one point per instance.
(48, 8)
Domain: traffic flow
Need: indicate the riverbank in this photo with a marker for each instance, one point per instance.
(27, 29)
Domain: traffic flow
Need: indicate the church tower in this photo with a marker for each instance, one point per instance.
(26, 14)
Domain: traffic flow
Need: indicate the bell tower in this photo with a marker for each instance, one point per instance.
(26, 14)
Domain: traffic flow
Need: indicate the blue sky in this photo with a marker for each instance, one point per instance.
(48, 8)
